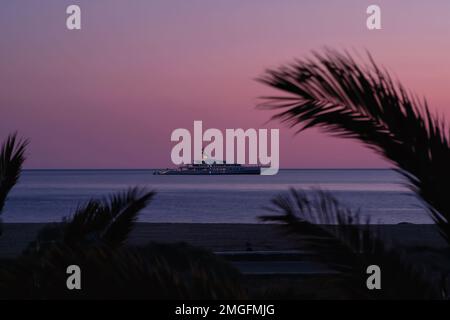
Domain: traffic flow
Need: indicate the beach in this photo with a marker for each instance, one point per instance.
(273, 263)
(423, 242)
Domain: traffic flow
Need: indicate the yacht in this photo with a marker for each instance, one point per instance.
(213, 168)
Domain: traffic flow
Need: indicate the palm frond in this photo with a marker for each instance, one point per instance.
(333, 92)
(12, 156)
(125, 209)
(109, 220)
(339, 238)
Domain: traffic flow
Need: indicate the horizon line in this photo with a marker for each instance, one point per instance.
(143, 169)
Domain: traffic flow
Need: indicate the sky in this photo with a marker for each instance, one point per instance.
(109, 95)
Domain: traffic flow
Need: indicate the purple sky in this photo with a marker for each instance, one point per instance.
(109, 96)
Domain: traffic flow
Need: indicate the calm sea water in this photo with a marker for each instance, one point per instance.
(49, 195)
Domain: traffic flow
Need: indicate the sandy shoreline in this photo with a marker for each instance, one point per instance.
(226, 237)
(277, 266)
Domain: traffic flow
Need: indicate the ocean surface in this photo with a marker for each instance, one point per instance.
(50, 195)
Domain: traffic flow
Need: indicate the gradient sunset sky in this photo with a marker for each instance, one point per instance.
(110, 95)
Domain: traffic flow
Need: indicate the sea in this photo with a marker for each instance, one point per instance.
(51, 195)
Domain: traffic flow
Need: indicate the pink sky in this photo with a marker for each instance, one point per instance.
(109, 96)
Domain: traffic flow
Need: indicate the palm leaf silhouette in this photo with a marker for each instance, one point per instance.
(333, 92)
(336, 234)
(12, 156)
(109, 220)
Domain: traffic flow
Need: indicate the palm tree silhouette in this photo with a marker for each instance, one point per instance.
(333, 92)
(106, 221)
(12, 157)
(345, 243)
(109, 220)
(95, 237)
